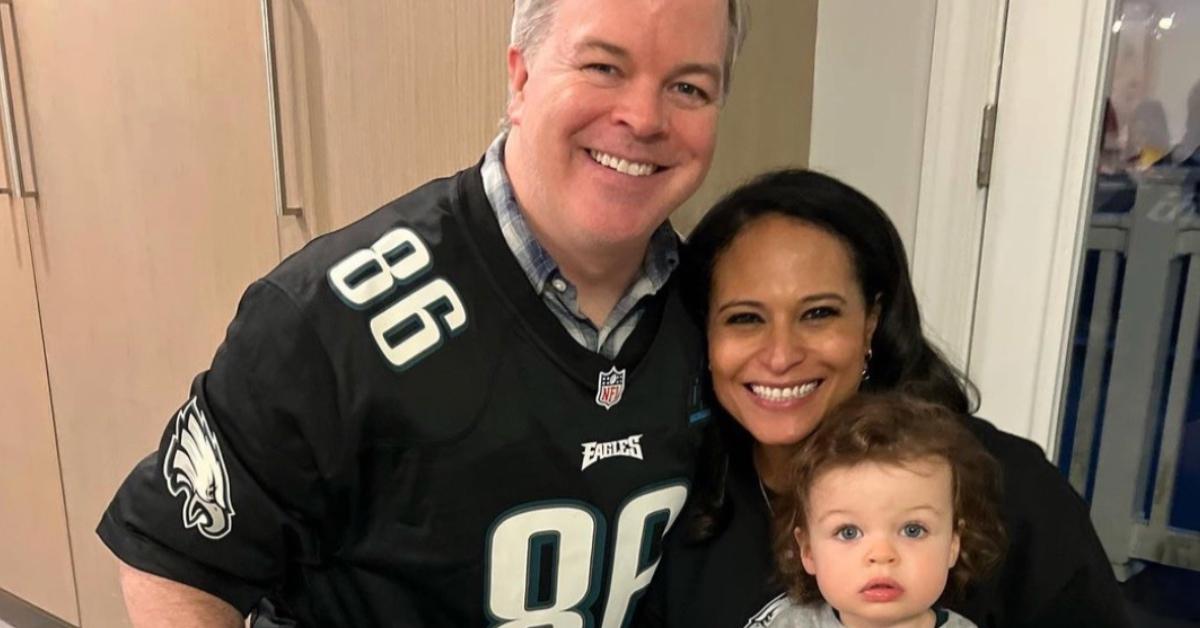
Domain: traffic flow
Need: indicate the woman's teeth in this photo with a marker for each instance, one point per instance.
(631, 168)
(772, 393)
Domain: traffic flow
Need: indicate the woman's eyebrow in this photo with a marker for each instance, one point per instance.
(824, 296)
(739, 303)
(812, 298)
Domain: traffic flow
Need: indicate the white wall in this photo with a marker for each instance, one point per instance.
(870, 88)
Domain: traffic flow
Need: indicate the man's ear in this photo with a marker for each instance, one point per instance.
(806, 557)
(518, 76)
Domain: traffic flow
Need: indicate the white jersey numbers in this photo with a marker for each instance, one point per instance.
(545, 562)
(415, 324)
(541, 566)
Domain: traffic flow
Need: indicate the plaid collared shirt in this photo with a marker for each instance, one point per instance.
(662, 256)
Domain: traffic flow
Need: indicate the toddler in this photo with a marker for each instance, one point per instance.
(892, 500)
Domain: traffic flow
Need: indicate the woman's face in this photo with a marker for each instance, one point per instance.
(788, 328)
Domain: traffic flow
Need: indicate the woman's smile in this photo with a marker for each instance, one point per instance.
(788, 328)
(783, 395)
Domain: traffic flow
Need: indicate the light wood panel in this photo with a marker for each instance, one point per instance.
(767, 121)
(383, 95)
(152, 155)
(35, 557)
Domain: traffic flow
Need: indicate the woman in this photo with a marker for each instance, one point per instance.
(802, 284)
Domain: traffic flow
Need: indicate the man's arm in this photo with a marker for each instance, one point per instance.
(241, 440)
(155, 601)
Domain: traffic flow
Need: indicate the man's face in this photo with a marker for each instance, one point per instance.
(614, 116)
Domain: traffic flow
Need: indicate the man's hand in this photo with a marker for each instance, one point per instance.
(154, 601)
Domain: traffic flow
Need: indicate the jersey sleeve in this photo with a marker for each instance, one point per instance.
(235, 490)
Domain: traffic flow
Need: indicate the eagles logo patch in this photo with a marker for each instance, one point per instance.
(194, 467)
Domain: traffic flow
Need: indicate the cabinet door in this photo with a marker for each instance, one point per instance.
(145, 129)
(380, 96)
(35, 556)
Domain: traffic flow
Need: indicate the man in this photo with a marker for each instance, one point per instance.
(474, 406)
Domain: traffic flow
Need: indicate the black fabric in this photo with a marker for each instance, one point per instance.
(1055, 572)
(723, 582)
(367, 493)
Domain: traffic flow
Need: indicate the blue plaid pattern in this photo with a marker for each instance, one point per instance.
(556, 291)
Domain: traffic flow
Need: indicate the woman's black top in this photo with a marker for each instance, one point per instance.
(1055, 572)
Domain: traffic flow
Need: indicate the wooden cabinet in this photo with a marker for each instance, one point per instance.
(145, 132)
(35, 556)
(378, 96)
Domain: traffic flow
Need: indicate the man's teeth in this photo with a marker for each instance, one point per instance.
(784, 394)
(631, 168)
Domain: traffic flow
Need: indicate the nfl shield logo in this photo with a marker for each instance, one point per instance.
(610, 387)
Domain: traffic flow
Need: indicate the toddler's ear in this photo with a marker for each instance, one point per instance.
(806, 557)
(956, 543)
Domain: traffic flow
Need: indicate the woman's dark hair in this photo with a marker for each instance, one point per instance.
(901, 358)
(894, 429)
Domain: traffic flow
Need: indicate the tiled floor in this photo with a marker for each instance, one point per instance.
(17, 613)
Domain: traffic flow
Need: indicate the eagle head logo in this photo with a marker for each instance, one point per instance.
(194, 467)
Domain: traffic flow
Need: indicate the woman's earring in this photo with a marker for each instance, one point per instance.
(866, 372)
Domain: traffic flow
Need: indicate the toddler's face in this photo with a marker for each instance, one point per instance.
(881, 539)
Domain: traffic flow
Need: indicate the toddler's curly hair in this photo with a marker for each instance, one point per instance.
(894, 428)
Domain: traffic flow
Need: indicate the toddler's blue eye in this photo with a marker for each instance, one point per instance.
(848, 533)
(913, 530)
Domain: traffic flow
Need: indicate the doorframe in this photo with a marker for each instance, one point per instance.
(964, 79)
(1055, 75)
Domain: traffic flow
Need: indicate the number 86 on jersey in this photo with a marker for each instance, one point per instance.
(545, 561)
(406, 330)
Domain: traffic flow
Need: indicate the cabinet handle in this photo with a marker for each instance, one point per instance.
(16, 162)
(7, 137)
(289, 200)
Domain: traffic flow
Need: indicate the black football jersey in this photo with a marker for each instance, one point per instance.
(396, 431)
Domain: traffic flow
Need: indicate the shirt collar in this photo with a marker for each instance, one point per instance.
(662, 254)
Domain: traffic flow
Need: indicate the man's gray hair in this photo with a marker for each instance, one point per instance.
(532, 18)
